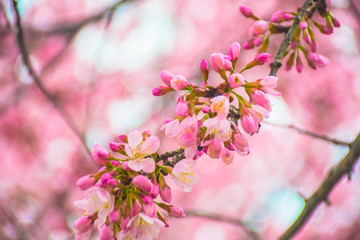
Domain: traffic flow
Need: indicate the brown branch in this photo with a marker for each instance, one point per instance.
(221, 218)
(71, 29)
(38, 82)
(343, 168)
(309, 133)
(276, 64)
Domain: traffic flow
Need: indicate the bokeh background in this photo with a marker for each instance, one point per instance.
(101, 60)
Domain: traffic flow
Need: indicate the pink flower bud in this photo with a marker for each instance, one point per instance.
(125, 166)
(228, 63)
(204, 68)
(269, 82)
(124, 222)
(314, 45)
(205, 109)
(176, 211)
(166, 77)
(161, 90)
(257, 41)
(336, 22)
(217, 61)
(143, 183)
(276, 17)
(115, 163)
(105, 233)
(100, 154)
(260, 98)
(214, 149)
(299, 64)
(312, 57)
(179, 82)
(85, 182)
(83, 224)
(249, 124)
(246, 11)
(307, 38)
(303, 25)
(322, 61)
(287, 17)
(241, 144)
(263, 58)
(155, 191)
(112, 182)
(258, 28)
(234, 51)
(247, 45)
(235, 80)
(114, 146)
(165, 194)
(150, 209)
(227, 156)
(135, 208)
(181, 109)
(114, 216)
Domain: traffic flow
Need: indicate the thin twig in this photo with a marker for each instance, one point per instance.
(343, 168)
(309, 133)
(221, 218)
(276, 64)
(38, 82)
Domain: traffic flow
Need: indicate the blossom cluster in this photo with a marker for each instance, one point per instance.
(304, 39)
(127, 197)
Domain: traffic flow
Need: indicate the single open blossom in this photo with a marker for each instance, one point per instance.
(220, 105)
(183, 174)
(187, 135)
(98, 200)
(268, 84)
(138, 148)
(141, 227)
(219, 129)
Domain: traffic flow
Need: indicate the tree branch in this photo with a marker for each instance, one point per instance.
(38, 82)
(276, 64)
(344, 167)
(311, 134)
(221, 218)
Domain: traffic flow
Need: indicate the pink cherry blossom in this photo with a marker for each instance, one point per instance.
(105, 233)
(181, 109)
(214, 149)
(258, 28)
(249, 124)
(183, 174)
(98, 200)
(171, 128)
(260, 98)
(166, 77)
(138, 148)
(165, 194)
(241, 144)
(234, 51)
(176, 211)
(235, 80)
(220, 105)
(227, 156)
(143, 183)
(217, 62)
(187, 135)
(179, 82)
(141, 227)
(268, 84)
(219, 129)
(100, 154)
(83, 224)
(85, 182)
(246, 11)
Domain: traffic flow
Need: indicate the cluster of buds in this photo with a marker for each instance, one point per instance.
(215, 120)
(304, 39)
(127, 197)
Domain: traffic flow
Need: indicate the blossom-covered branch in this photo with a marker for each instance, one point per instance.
(344, 168)
(38, 82)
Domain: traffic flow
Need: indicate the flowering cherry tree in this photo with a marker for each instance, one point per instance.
(132, 192)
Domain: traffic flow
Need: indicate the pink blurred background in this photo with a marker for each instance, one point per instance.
(102, 72)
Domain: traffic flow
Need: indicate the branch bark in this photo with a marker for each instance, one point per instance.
(343, 168)
(19, 35)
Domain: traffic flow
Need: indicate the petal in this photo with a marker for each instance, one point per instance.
(135, 165)
(190, 151)
(150, 145)
(148, 165)
(134, 139)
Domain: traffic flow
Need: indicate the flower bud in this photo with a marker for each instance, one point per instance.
(179, 82)
(246, 11)
(166, 77)
(161, 90)
(249, 124)
(258, 28)
(303, 25)
(204, 68)
(100, 154)
(235, 80)
(234, 51)
(105, 233)
(257, 41)
(143, 183)
(114, 216)
(263, 58)
(248, 45)
(85, 182)
(299, 64)
(155, 191)
(217, 61)
(182, 109)
(165, 194)
(176, 211)
(83, 224)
